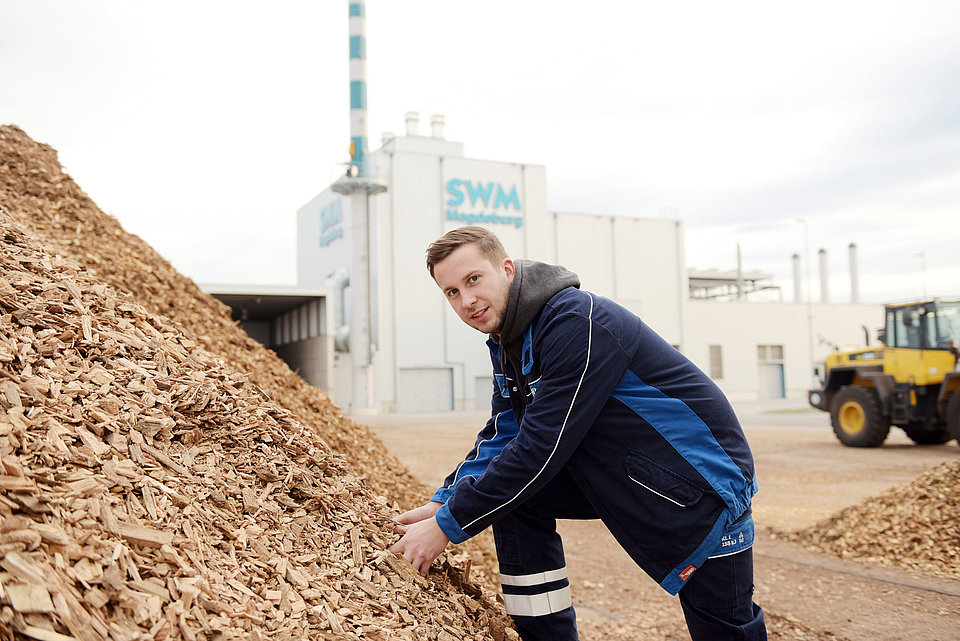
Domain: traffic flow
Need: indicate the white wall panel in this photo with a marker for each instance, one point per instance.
(584, 246)
(416, 206)
(323, 238)
(424, 389)
(540, 223)
(649, 272)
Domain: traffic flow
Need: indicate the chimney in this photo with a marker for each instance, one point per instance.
(413, 123)
(358, 87)
(436, 126)
(797, 280)
(854, 274)
(824, 277)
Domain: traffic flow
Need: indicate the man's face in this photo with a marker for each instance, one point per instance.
(477, 289)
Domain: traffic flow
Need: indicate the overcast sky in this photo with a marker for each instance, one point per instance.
(203, 126)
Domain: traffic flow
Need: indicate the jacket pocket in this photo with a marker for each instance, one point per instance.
(660, 480)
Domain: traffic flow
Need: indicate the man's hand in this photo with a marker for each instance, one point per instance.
(422, 540)
(416, 515)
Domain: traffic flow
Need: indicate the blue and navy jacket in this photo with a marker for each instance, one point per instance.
(651, 441)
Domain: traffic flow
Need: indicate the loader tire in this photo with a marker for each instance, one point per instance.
(953, 416)
(857, 418)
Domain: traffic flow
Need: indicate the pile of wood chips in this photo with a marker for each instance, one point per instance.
(916, 525)
(162, 476)
(35, 190)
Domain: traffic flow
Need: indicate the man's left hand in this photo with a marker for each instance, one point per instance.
(421, 543)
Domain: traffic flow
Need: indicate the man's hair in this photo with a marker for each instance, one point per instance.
(486, 241)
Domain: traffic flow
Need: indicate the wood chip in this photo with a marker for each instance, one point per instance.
(29, 597)
(23, 568)
(43, 634)
(143, 535)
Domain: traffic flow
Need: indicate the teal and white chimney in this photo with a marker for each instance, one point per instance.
(358, 89)
(358, 185)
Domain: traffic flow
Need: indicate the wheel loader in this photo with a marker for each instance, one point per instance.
(910, 380)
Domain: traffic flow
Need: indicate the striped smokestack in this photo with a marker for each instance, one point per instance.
(358, 185)
(358, 87)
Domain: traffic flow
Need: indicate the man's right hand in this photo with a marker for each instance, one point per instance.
(416, 515)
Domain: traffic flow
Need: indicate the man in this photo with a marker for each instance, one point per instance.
(593, 416)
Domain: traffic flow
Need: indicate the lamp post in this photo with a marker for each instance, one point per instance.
(806, 259)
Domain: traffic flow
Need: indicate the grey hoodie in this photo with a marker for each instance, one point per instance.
(534, 283)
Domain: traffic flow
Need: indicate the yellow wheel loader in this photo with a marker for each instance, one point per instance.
(910, 380)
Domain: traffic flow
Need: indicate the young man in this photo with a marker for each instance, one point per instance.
(594, 416)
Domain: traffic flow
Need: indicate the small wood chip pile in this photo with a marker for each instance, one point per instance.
(163, 476)
(916, 525)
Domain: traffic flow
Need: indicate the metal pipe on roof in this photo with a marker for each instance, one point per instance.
(854, 274)
(436, 126)
(412, 122)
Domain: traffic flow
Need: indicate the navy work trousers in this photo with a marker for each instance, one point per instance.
(717, 600)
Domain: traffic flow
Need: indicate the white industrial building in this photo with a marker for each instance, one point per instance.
(423, 358)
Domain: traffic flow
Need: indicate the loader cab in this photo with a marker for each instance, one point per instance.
(921, 341)
(932, 325)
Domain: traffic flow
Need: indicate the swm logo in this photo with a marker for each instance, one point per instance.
(482, 194)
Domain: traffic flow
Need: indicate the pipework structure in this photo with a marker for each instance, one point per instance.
(359, 184)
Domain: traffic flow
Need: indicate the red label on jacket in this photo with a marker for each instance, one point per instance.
(687, 572)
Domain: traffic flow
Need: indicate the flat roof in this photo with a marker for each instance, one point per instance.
(722, 276)
(263, 302)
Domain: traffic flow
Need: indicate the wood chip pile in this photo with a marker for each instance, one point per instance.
(151, 488)
(916, 525)
(35, 190)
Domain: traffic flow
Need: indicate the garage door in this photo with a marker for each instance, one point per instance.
(425, 389)
(482, 389)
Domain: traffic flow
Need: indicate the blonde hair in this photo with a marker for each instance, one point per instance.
(486, 241)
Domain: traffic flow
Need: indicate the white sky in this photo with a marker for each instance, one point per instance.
(204, 125)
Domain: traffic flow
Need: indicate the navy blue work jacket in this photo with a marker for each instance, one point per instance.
(651, 441)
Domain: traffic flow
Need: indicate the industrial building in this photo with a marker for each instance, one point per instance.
(366, 322)
(423, 358)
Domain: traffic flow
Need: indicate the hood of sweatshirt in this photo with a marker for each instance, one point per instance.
(534, 283)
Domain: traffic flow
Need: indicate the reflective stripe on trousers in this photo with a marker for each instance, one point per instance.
(537, 594)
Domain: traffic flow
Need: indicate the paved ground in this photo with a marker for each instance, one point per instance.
(805, 475)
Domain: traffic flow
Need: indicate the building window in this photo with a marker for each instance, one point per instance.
(770, 353)
(716, 362)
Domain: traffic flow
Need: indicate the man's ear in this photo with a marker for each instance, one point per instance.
(509, 268)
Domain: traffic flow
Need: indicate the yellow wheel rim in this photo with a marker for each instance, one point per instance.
(852, 418)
